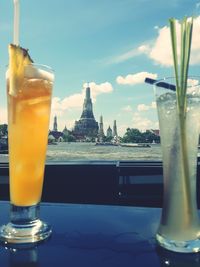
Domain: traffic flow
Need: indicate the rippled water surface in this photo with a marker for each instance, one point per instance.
(89, 151)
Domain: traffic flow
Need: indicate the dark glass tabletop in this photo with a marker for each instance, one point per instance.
(95, 235)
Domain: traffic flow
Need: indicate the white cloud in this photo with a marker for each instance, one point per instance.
(137, 78)
(73, 101)
(142, 49)
(3, 115)
(159, 50)
(143, 107)
(130, 54)
(62, 107)
(97, 89)
(142, 123)
(127, 108)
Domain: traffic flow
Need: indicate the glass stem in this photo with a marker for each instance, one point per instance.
(24, 215)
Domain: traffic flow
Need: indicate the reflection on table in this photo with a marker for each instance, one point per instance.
(95, 235)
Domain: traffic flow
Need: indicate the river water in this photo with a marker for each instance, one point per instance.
(89, 151)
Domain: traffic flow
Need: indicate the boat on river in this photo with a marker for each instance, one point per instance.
(135, 145)
(122, 144)
(106, 144)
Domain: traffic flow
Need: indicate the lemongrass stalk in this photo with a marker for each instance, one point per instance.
(174, 49)
(181, 76)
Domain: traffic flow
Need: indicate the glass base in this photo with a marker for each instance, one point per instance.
(25, 226)
(188, 246)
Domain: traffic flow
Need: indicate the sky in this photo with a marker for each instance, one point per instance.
(110, 44)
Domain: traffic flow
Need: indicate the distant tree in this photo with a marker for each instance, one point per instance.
(149, 137)
(69, 137)
(135, 136)
(132, 136)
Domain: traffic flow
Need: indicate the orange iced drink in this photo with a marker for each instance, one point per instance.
(28, 124)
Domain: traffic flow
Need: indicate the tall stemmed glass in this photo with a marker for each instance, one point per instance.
(28, 123)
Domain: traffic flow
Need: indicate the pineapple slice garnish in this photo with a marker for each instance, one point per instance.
(18, 59)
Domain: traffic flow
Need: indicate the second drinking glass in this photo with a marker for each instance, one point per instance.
(179, 228)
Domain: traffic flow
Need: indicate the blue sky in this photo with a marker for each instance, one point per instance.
(112, 44)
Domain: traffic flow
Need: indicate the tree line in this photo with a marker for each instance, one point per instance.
(136, 136)
(131, 136)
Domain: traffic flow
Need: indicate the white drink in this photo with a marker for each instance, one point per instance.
(179, 220)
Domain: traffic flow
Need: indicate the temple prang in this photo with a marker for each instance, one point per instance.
(86, 128)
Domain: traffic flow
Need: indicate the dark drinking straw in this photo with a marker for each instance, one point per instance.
(161, 84)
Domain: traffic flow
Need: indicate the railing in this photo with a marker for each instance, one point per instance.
(140, 183)
(133, 183)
